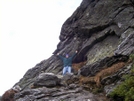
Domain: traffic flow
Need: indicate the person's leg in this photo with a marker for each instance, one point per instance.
(69, 69)
(64, 70)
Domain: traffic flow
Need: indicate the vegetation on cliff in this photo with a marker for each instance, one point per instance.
(125, 91)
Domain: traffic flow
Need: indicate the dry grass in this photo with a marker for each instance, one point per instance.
(108, 71)
(77, 66)
(103, 73)
(8, 95)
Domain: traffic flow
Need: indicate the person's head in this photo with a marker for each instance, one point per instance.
(67, 55)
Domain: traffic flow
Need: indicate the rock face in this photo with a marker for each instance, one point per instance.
(92, 69)
(103, 33)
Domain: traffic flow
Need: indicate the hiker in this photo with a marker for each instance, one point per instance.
(67, 61)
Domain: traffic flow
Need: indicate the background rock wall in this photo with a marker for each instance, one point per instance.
(101, 30)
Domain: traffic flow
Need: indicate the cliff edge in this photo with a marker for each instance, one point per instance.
(103, 33)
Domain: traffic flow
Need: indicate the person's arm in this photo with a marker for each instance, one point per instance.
(61, 57)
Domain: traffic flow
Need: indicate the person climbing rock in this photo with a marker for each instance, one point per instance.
(67, 62)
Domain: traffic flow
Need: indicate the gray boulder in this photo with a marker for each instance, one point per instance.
(47, 80)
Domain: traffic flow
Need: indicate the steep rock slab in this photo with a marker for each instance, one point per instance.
(97, 29)
(127, 46)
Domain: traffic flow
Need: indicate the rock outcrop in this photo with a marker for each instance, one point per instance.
(103, 33)
(9, 94)
(47, 80)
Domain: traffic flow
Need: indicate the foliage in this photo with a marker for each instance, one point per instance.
(125, 91)
(131, 57)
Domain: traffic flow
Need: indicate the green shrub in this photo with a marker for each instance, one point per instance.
(125, 90)
(131, 57)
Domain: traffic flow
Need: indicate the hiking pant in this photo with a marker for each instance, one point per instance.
(66, 69)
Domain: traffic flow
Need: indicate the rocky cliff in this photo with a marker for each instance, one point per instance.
(103, 33)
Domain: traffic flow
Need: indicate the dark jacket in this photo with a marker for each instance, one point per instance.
(67, 61)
